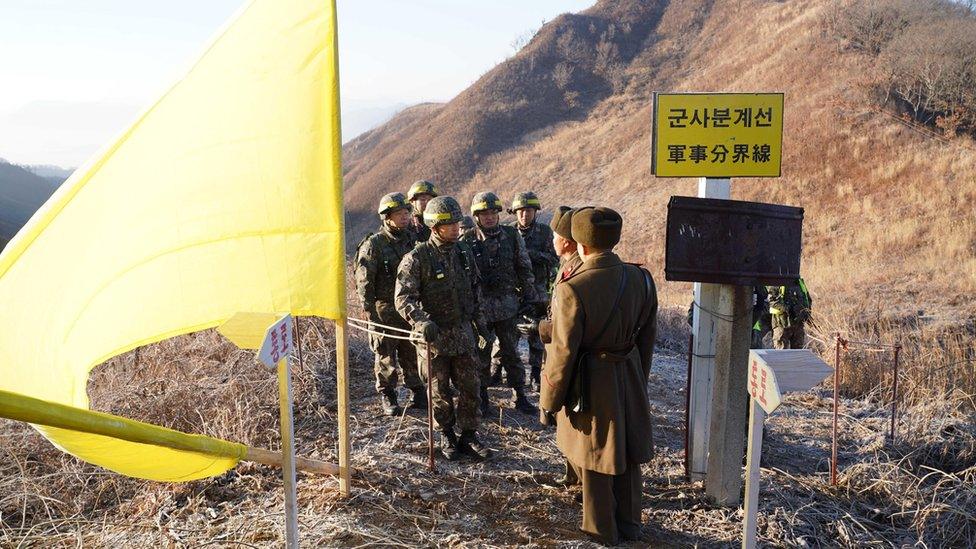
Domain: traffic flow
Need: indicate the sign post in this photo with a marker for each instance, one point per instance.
(274, 353)
(704, 329)
(771, 375)
(715, 136)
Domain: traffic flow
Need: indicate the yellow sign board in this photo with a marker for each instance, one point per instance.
(717, 134)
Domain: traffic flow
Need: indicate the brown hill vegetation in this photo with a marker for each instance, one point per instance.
(918, 491)
(889, 233)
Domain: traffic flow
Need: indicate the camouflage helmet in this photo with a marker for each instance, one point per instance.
(391, 203)
(421, 187)
(467, 223)
(526, 199)
(485, 201)
(442, 210)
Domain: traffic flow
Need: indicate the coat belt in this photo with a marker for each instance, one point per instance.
(611, 355)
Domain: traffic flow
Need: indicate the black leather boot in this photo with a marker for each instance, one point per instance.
(485, 405)
(496, 377)
(449, 444)
(418, 399)
(470, 445)
(389, 400)
(523, 405)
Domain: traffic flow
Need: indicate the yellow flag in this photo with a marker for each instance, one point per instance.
(224, 196)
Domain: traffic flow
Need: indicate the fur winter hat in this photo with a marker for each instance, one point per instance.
(562, 222)
(597, 227)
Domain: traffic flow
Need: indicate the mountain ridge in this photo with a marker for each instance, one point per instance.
(874, 189)
(22, 192)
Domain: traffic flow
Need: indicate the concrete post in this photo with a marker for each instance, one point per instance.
(726, 442)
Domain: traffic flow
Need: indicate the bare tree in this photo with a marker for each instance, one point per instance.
(926, 54)
(562, 74)
(522, 40)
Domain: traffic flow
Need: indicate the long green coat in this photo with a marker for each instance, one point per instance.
(617, 424)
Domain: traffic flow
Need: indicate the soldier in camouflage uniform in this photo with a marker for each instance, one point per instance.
(538, 239)
(438, 292)
(377, 260)
(761, 319)
(790, 308)
(507, 274)
(419, 195)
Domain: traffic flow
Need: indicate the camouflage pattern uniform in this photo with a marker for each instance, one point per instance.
(761, 319)
(538, 242)
(507, 275)
(439, 282)
(377, 260)
(760, 316)
(421, 230)
(790, 308)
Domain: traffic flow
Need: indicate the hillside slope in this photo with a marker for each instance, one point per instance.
(889, 219)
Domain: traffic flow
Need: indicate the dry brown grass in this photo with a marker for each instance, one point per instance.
(200, 384)
(918, 491)
(937, 358)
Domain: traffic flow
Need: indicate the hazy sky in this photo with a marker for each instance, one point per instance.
(73, 73)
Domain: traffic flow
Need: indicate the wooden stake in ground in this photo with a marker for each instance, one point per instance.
(288, 451)
(756, 418)
(430, 411)
(278, 345)
(728, 420)
(342, 387)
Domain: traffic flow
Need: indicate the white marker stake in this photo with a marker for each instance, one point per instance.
(274, 352)
(756, 418)
(772, 373)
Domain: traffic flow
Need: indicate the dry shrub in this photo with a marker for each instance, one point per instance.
(672, 329)
(936, 506)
